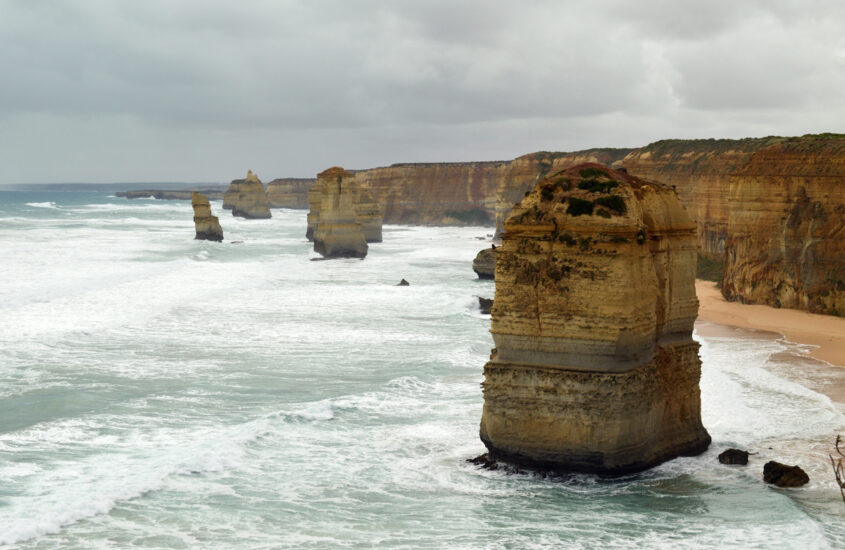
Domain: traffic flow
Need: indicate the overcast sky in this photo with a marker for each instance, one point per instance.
(202, 90)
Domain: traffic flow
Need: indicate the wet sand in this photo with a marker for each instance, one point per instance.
(825, 332)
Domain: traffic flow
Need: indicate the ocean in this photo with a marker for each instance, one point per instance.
(162, 392)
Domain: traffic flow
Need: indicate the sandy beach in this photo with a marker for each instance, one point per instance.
(824, 331)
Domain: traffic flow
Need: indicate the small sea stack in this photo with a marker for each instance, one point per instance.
(338, 233)
(247, 198)
(594, 367)
(207, 226)
(484, 263)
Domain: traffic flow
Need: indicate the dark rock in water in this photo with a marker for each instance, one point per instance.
(734, 456)
(783, 475)
(485, 304)
(403, 282)
(485, 461)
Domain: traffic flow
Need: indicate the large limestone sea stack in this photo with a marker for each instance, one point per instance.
(207, 226)
(247, 198)
(338, 233)
(595, 368)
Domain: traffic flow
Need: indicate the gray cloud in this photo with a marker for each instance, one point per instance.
(200, 90)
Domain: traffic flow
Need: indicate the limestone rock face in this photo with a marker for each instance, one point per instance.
(289, 192)
(786, 227)
(448, 193)
(247, 198)
(207, 226)
(368, 214)
(700, 170)
(595, 368)
(367, 209)
(338, 233)
(484, 263)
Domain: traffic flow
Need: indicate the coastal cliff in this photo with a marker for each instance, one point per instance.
(367, 213)
(338, 234)
(289, 192)
(207, 226)
(595, 368)
(700, 170)
(450, 193)
(786, 228)
(247, 198)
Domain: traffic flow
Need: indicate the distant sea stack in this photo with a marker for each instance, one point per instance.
(484, 263)
(338, 233)
(368, 212)
(289, 192)
(207, 226)
(247, 198)
(595, 368)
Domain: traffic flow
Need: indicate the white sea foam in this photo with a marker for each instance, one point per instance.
(166, 392)
(42, 204)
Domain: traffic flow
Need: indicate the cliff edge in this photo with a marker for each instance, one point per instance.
(595, 368)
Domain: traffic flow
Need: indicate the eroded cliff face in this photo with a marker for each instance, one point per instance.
(595, 368)
(456, 193)
(338, 234)
(289, 192)
(786, 227)
(247, 198)
(367, 213)
(207, 226)
(700, 170)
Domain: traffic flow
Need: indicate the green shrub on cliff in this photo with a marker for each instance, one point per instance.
(709, 270)
(596, 186)
(578, 207)
(613, 202)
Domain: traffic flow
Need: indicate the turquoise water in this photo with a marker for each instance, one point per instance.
(161, 392)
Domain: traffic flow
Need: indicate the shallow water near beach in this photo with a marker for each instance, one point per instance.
(162, 392)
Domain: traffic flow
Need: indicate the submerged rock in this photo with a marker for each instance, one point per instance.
(594, 367)
(338, 233)
(783, 475)
(207, 226)
(247, 198)
(484, 263)
(403, 282)
(734, 456)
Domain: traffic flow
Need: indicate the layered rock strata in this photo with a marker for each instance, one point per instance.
(338, 233)
(367, 210)
(484, 263)
(786, 227)
(368, 214)
(207, 226)
(700, 170)
(247, 198)
(289, 192)
(595, 368)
